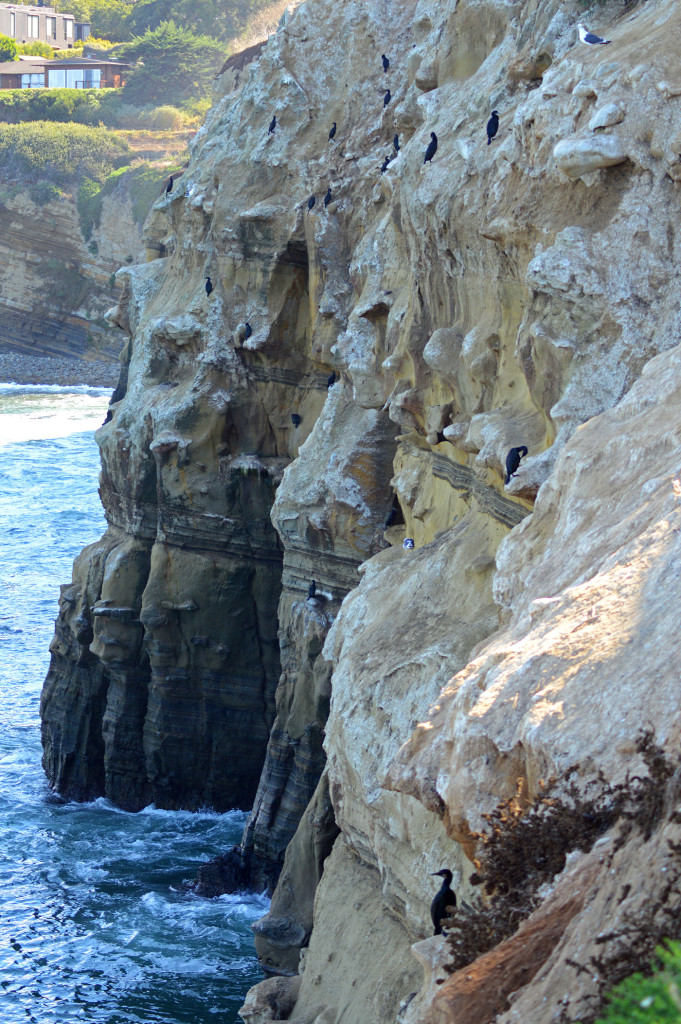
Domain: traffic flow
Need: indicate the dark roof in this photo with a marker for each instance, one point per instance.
(19, 67)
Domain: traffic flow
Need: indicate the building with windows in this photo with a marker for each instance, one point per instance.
(76, 73)
(41, 24)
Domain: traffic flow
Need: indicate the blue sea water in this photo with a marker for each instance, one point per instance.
(96, 923)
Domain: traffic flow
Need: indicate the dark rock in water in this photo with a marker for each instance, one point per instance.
(224, 874)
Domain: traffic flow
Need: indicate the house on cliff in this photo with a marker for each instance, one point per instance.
(76, 73)
(27, 24)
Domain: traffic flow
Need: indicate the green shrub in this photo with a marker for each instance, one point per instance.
(164, 118)
(60, 154)
(649, 999)
(35, 49)
(8, 49)
(89, 206)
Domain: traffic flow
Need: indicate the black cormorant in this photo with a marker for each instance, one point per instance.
(311, 590)
(387, 98)
(311, 201)
(331, 380)
(386, 62)
(384, 168)
(444, 898)
(492, 126)
(333, 131)
(169, 186)
(396, 143)
(248, 331)
(431, 149)
(273, 125)
(209, 286)
(296, 420)
(328, 197)
(513, 461)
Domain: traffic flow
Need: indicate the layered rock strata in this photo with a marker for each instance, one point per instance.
(496, 296)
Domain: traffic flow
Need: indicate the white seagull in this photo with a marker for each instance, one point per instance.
(589, 37)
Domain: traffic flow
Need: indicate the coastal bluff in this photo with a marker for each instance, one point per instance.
(354, 380)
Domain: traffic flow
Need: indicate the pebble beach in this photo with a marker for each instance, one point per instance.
(17, 368)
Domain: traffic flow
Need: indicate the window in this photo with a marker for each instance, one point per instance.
(68, 28)
(51, 28)
(92, 78)
(74, 78)
(56, 79)
(12, 23)
(33, 26)
(33, 81)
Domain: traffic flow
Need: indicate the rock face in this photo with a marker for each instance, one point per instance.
(54, 287)
(355, 380)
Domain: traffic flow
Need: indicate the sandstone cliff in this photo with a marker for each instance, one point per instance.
(523, 292)
(55, 287)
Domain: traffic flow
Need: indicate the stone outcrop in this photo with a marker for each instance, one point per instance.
(55, 287)
(355, 380)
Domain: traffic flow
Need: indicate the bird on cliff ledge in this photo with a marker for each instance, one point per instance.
(273, 125)
(296, 420)
(590, 38)
(311, 590)
(387, 98)
(444, 898)
(513, 461)
(431, 149)
(169, 186)
(209, 286)
(384, 168)
(386, 62)
(332, 132)
(327, 198)
(492, 126)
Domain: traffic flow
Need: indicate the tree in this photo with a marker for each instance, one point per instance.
(221, 19)
(173, 64)
(107, 18)
(8, 49)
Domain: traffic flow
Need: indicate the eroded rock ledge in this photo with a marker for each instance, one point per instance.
(384, 352)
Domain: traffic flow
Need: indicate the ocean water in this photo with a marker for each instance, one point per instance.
(96, 923)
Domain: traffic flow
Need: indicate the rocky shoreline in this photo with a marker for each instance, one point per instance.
(17, 368)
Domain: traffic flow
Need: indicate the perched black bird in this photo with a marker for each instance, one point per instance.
(209, 286)
(431, 149)
(444, 898)
(387, 98)
(311, 201)
(109, 417)
(396, 143)
(311, 590)
(392, 516)
(169, 186)
(248, 332)
(296, 420)
(492, 126)
(386, 62)
(384, 168)
(333, 131)
(331, 380)
(328, 197)
(273, 125)
(513, 461)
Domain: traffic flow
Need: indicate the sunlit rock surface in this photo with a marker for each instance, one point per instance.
(354, 380)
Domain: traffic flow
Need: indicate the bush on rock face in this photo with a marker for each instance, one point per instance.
(653, 998)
